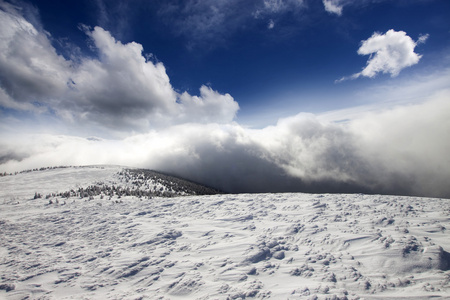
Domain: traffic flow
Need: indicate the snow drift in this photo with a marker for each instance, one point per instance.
(280, 246)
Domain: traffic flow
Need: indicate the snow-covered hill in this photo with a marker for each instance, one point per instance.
(90, 181)
(96, 244)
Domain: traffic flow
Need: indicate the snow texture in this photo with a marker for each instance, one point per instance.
(246, 246)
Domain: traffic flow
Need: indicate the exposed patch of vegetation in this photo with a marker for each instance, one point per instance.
(176, 184)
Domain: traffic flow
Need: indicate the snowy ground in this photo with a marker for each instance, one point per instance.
(279, 246)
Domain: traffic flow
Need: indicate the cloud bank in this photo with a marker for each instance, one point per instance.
(389, 53)
(398, 151)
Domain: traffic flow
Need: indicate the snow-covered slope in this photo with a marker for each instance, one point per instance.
(89, 181)
(279, 246)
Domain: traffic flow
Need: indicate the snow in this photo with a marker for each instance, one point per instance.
(278, 246)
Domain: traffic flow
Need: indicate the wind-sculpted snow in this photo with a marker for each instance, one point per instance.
(247, 246)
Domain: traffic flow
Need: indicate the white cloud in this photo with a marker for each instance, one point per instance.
(337, 6)
(124, 90)
(210, 106)
(120, 91)
(30, 68)
(389, 53)
(422, 38)
(271, 7)
(333, 6)
(409, 145)
(121, 87)
(394, 51)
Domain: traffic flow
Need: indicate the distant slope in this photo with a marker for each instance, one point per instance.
(90, 181)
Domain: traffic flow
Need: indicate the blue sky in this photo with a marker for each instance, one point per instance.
(242, 79)
(231, 46)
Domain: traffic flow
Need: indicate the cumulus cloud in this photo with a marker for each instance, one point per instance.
(30, 68)
(389, 53)
(121, 87)
(402, 150)
(119, 90)
(209, 106)
(394, 51)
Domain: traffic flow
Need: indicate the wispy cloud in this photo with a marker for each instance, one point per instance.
(268, 7)
(115, 16)
(204, 24)
(333, 6)
(422, 38)
(207, 24)
(337, 6)
(389, 53)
